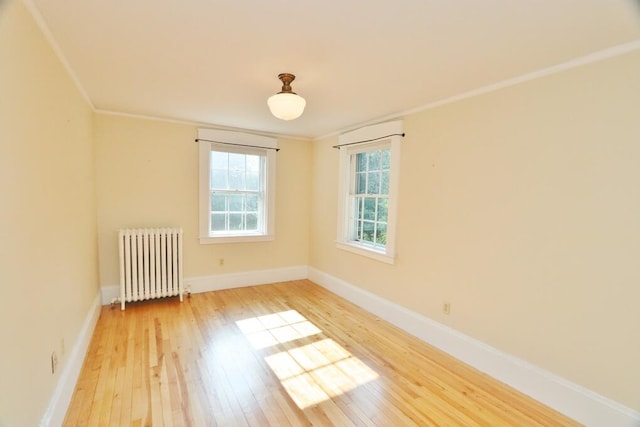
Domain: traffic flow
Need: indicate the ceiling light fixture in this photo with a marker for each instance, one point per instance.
(286, 104)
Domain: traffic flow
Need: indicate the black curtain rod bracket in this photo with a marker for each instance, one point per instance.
(237, 145)
(368, 140)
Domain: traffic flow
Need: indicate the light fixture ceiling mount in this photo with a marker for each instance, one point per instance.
(286, 104)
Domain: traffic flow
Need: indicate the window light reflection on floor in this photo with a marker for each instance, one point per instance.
(311, 373)
(271, 329)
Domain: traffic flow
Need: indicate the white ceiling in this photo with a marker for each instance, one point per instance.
(216, 61)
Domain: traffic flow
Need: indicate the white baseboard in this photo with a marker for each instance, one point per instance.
(577, 402)
(59, 403)
(109, 293)
(249, 278)
(226, 281)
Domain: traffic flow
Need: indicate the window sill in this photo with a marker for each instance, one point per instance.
(237, 239)
(366, 252)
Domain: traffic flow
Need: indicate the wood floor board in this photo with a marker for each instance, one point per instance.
(285, 354)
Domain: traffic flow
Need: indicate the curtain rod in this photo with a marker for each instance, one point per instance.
(368, 140)
(237, 145)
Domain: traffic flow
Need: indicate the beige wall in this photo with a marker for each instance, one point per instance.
(48, 247)
(147, 176)
(522, 208)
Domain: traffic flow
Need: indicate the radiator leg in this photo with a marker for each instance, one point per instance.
(117, 300)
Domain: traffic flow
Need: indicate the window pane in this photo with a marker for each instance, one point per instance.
(236, 179)
(235, 221)
(373, 183)
(219, 179)
(252, 221)
(237, 161)
(383, 206)
(361, 183)
(236, 203)
(252, 203)
(218, 222)
(219, 160)
(381, 234)
(218, 203)
(361, 162)
(367, 231)
(384, 183)
(374, 160)
(253, 181)
(253, 163)
(369, 208)
(386, 159)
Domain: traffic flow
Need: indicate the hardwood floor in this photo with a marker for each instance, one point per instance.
(277, 355)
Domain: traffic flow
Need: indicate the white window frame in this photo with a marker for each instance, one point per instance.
(243, 143)
(378, 136)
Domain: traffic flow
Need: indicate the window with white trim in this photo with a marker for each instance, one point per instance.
(237, 187)
(368, 190)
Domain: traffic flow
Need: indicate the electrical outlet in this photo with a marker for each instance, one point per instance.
(446, 307)
(221, 262)
(54, 363)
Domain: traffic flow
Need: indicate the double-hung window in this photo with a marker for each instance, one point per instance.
(368, 190)
(369, 196)
(237, 187)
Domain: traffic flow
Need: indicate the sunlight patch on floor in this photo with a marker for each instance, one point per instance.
(271, 329)
(311, 373)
